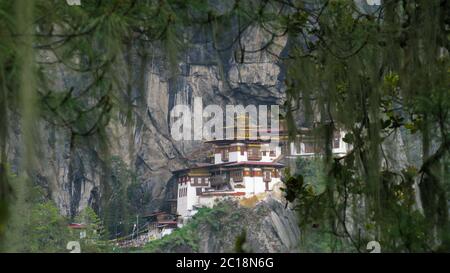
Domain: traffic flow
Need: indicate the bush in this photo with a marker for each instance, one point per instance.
(47, 230)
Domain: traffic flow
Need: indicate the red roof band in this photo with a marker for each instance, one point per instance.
(77, 226)
(223, 193)
(233, 164)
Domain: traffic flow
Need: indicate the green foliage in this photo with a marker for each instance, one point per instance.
(40, 227)
(186, 239)
(315, 239)
(313, 172)
(95, 236)
(369, 74)
(239, 245)
(48, 229)
(126, 199)
(5, 177)
(181, 240)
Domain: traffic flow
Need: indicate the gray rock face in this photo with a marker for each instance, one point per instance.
(269, 227)
(73, 170)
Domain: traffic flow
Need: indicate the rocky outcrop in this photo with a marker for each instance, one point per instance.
(268, 226)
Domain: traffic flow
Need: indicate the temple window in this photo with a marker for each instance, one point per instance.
(267, 179)
(267, 176)
(309, 147)
(237, 176)
(225, 155)
(336, 140)
(254, 154)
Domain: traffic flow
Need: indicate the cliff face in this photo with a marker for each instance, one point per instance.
(73, 169)
(268, 227)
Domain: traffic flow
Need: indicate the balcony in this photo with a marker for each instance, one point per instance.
(218, 180)
(225, 157)
(254, 155)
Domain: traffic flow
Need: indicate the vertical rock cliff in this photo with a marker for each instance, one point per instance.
(74, 170)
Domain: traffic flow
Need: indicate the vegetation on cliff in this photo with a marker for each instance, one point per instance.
(230, 227)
